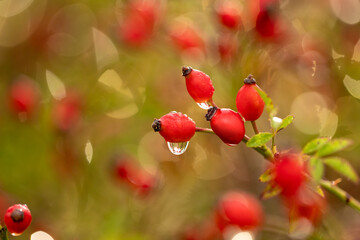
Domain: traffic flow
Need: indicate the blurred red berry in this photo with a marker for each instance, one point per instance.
(198, 84)
(24, 96)
(138, 179)
(248, 101)
(67, 112)
(139, 21)
(124, 169)
(227, 47)
(175, 127)
(306, 204)
(239, 209)
(228, 14)
(206, 230)
(289, 173)
(227, 124)
(143, 181)
(268, 20)
(186, 38)
(17, 219)
(135, 31)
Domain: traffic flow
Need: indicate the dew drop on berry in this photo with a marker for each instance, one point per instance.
(204, 105)
(178, 148)
(231, 144)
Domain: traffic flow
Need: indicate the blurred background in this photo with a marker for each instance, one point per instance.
(82, 81)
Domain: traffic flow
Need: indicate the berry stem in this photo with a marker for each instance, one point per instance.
(263, 150)
(213, 103)
(205, 130)
(256, 130)
(245, 139)
(273, 146)
(3, 233)
(332, 188)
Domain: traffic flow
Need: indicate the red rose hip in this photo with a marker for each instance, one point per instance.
(67, 112)
(289, 174)
(228, 14)
(248, 101)
(306, 204)
(17, 219)
(24, 96)
(199, 86)
(239, 209)
(187, 39)
(177, 129)
(227, 124)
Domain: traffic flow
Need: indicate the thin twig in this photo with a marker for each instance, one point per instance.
(332, 188)
(256, 130)
(205, 130)
(213, 103)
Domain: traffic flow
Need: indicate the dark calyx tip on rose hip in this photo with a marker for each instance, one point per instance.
(17, 215)
(156, 125)
(250, 80)
(211, 112)
(186, 70)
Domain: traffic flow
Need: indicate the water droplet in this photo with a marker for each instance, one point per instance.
(231, 144)
(178, 148)
(204, 105)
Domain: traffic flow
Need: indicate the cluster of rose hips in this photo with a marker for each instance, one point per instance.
(288, 175)
(227, 124)
(17, 219)
(141, 18)
(24, 101)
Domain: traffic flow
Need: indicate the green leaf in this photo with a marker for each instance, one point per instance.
(269, 106)
(316, 168)
(259, 139)
(267, 175)
(343, 167)
(315, 145)
(333, 146)
(270, 191)
(285, 122)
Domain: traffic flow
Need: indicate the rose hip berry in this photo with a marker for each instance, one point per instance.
(198, 84)
(227, 45)
(268, 22)
(138, 179)
(17, 219)
(139, 21)
(239, 209)
(306, 204)
(228, 14)
(175, 127)
(289, 174)
(67, 112)
(248, 101)
(186, 38)
(24, 96)
(227, 124)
